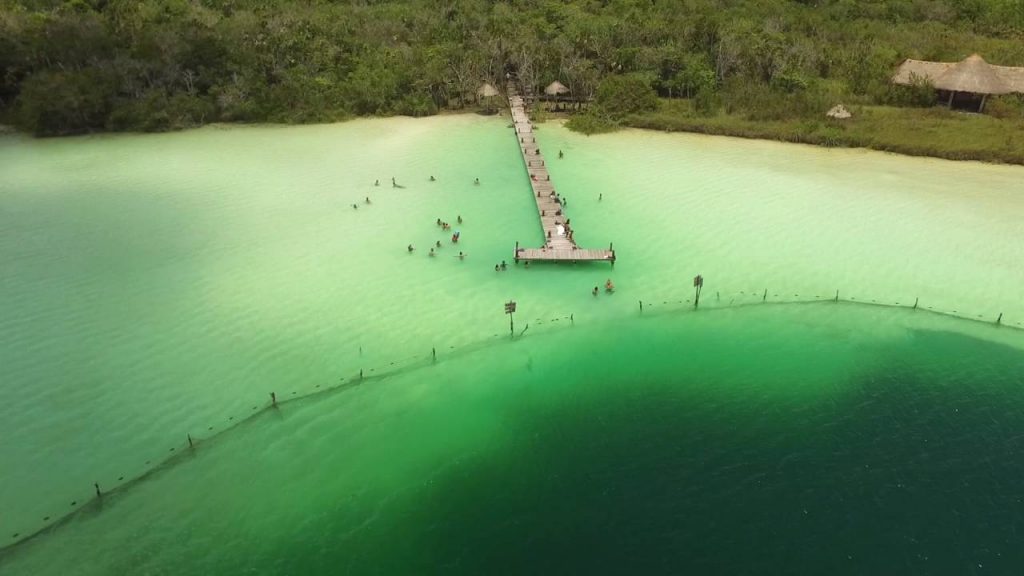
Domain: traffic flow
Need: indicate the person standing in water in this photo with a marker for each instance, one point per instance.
(376, 182)
(476, 182)
(594, 291)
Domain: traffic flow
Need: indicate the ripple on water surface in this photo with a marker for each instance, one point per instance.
(158, 286)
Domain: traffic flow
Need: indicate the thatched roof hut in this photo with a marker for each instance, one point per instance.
(839, 112)
(556, 88)
(972, 75)
(487, 90)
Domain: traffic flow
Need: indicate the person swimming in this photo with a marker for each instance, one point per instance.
(431, 252)
(608, 286)
(503, 265)
(376, 182)
(438, 243)
(439, 222)
(594, 291)
(497, 268)
(432, 179)
(355, 206)
(411, 248)
(459, 220)
(476, 182)
(560, 155)
(461, 255)
(367, 199)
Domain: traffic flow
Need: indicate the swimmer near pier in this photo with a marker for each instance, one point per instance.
(559, 245)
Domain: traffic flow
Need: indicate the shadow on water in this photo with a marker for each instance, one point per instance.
(916, 474)
(579, 417)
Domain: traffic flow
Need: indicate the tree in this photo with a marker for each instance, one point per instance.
(622, 95)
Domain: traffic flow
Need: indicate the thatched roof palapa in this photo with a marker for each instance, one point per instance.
(487, 90)
(556, 88)
(971, 74)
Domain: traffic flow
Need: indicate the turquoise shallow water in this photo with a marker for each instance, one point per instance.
(158, 286)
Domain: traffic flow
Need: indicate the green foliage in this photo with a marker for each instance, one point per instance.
(920, 93)
(54, 103)
(76, 65)
(592, 122)
(621, 95)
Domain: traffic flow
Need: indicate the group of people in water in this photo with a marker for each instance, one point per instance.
(608, 287)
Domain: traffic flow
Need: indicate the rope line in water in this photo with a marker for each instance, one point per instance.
(416, 362)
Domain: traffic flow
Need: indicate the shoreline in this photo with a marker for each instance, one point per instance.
(822, 133)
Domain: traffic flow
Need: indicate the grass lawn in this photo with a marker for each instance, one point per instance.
(918, 131)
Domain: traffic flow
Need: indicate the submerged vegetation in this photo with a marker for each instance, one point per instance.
(766, 68)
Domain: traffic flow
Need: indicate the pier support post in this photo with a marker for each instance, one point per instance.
(96, 485)
(837, 296)
(641, 305)
(915, 303)
(273, 399)
(765, 296)
(190, 444)
(433, 353)
(1000, 319)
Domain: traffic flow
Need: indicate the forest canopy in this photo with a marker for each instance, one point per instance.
(86, 65)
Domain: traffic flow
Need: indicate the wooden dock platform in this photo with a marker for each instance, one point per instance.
(559, 245)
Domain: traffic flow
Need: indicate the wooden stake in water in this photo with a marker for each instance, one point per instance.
(698, 283)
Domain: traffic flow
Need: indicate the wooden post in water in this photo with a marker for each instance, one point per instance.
(915, 302)
(189, 436)
(698, 283)
(765, 296)
(641, 305)
(510, 308)
(837, 296)
(1000, 319)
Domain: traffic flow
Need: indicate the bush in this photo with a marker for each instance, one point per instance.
(621, 95)
(57, 102)
(592, 122)
(919, 94)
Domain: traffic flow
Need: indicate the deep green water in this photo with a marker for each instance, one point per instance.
(155, 286)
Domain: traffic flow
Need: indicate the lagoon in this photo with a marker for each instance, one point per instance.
(163, 285)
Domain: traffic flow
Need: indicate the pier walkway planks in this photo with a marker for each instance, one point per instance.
(558, 234)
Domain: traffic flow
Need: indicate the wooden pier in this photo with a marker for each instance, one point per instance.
(559, 245)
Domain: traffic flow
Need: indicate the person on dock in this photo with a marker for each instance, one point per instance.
(560, 155)
(609, 287)
(476, 182)
(410, 248)
(594, 291)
